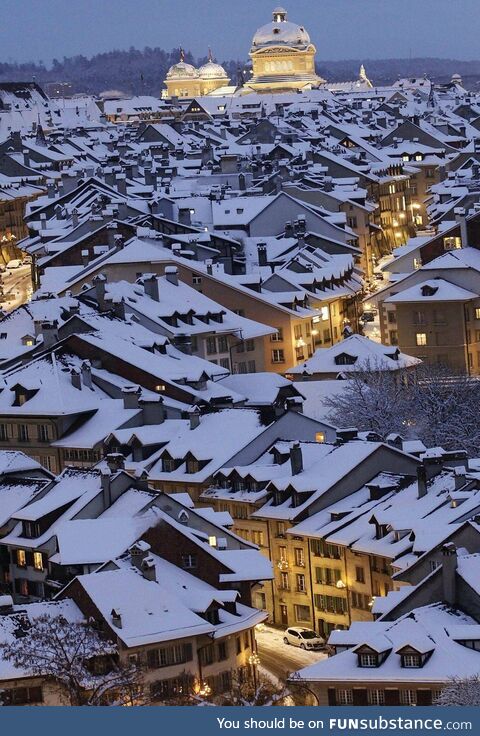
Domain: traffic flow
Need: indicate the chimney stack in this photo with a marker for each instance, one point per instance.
(148, 569)
(86, 370)
(138, 552)
(194, 417)
(296, 458)
(116, 619)
(115, 462)
(461, 219)
(150, 285)
(421, 481)
(171, 274)
(449, 567)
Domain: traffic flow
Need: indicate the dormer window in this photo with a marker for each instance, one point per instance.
(368, 660)
(193, 466)
(345, 359)
(411, 661)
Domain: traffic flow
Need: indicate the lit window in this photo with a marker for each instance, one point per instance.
(160, 387)
(421, 338)
(212, 541)
(37, 561)
(320, 437)
(21, 558)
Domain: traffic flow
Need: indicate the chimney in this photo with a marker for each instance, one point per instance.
(116, 619)
(296, 458)
(26, 157)
(99, 283)
(50, 189)
(112, 228)
(150, 285)
(86, 370)
(130, 396)
(105, 481)
(76, 378)
(153, 411)
(194, 417)
(461, 219)
(460, 474)
(138, 552)
(449, 566)
(43, 221)
(148, 569)
(121, 183)
(421, 481)
(262, 254)
(288, 230)
(115, 462)
(171, 274)
(50, 333)
(74, 217)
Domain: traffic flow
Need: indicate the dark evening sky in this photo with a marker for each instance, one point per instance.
(341, 29)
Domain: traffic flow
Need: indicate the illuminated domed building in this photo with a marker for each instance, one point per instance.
(183, 80)
(283, 56)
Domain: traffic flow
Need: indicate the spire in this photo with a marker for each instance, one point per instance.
(182, 54)
(210, 57)
(363, 76)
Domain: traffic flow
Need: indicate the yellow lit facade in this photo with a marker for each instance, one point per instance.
(184, 80)
(283, 57)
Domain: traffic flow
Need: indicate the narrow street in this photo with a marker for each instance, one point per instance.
(281, 659)
(17, 287)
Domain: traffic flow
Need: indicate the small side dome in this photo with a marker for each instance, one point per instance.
(182, 70)
(211, 70)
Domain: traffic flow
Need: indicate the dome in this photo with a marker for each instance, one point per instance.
(280, 32)
(210, 70)
(182, 70)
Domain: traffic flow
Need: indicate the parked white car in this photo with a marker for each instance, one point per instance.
(14, 263)
(303, 638)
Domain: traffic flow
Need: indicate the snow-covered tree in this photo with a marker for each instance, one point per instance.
(432, 403)
(249, 690)
(461, 691)
(73, 656)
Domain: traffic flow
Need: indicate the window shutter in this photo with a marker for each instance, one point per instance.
(188, 652)
(392, 697)
(424, 697)
(332, 696)
(360, 696)
(29, 558)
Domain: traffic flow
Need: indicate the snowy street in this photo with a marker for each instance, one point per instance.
(281, 659)
(16, 286)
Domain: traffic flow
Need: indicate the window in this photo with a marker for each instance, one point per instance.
(368, 660)
(419, 318)
(411, 661)
(22, 696)
(38, 560)
(301, 585)
(189, 562)
(261, 601)
(376, 697)
(302, 613)
(360, 601)
(278, 356)
(282, 551)
(421, 338)
(280, 529)
(408, 697)
(225, 363)
(21, 558)
(327, 576)
(23, 432)
(238, 643)
(167, 656)
(299, 557)
(297, 331)
(345, 697)
(452, 243)
(222, 344)
(222, 651)
(330, 604)
(196, 280)
(211, 345)
(250, 345)
(3, 433)
(257, 537)
(320, 437)
(278, 336)
(284, 582)
(252, 366)
(359, 574)
(43, 432)
(477, 312)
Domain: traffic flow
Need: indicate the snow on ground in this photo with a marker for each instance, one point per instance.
(271, 640)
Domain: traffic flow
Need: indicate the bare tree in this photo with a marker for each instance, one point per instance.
(433, 403)
(247, 690)
(72, 655)
(460, 691)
